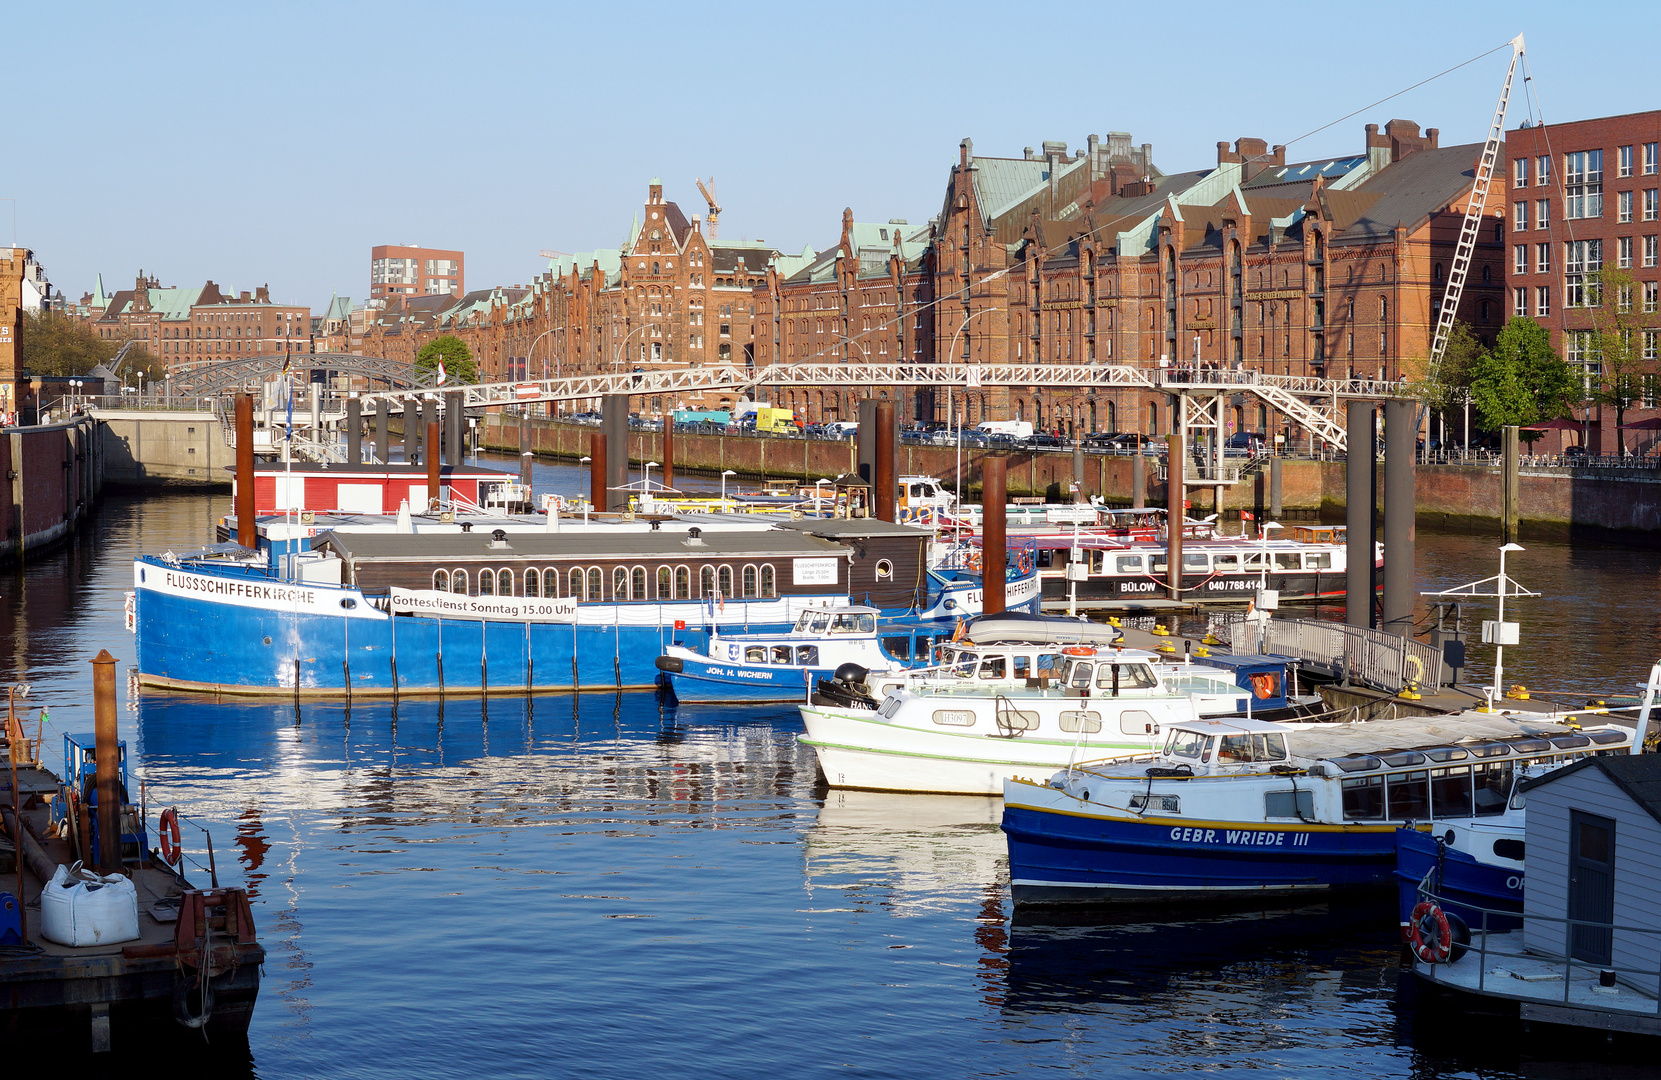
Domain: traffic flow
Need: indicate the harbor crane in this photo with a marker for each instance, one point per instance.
(714, 207)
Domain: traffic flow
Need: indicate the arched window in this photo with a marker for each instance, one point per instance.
(638, 583)
(663, 586)
(576, 581)
(596, 584)
(504, 582)
(750, 583)
(458, 582)
(1153, 419)
(706, 582)
(533, 582)
(1383, 307)
(619, 583)
(487, 583)
(441, 580)
(769, 587)
(683, 583)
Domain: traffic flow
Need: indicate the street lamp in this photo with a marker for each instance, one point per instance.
(585, 461)
(724, 474)
(617, 354)
(817, 494)
(951, 355)
(646, 485)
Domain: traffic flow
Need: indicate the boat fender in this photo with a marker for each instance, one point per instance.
(172, 848)
(193, 999)
(851, 672)
(1430, 933)
(672, 664)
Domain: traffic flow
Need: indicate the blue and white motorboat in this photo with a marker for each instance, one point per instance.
(1235, 809)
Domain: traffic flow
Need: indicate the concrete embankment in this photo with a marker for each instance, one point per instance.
(1622, 506)
(146, 447)
(53, 476)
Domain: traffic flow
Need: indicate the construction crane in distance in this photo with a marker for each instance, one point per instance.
(714, 207)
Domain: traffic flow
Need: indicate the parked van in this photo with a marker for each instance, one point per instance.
(1019, 429)
(777, 421)
(842, 429)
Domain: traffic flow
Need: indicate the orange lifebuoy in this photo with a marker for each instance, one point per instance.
(168, 829)
(1429, 934)
(1079, 650)
(974, 562)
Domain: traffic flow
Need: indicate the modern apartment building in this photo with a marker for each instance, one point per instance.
(396, 270)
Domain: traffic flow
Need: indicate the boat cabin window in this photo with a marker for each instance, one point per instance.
(821, 622)
(1257, 560)
(898, 647)
(441, 580)
(1046, 558)
(487, 583)
(1083, 720)
(1225, 562)
(706, 581)
(1408, 795)
(1450, 792)
(751, 583)
(683, 583)
(533, 582)
(637, 583)
(857, 623)
(1157, 564)
(1289, 804)
(803, 621)
(1020, 667)
(724, 581)
(1196, 560)
(1317, 560)
(769, 583)
(1446, 753)
(807, 655)
(967, 662)
(1127, 564)
(458, 582)
(576, 580)
(1185, 743)
(1131, 676)
(1237, 749)
(781, 654)
(1137, 722)
(619, 584)
(755, 654)
(596, 583)
(1097, 558)
(1492, 782)
(1078, 674)
(1287, 560)
(993, 667)
(1364, 798)
(921, 650)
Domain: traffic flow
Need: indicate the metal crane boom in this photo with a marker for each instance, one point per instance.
(1473, 218)
(714, 208)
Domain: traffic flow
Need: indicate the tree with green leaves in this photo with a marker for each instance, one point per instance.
(52, 343)
(1522, 380)
(459, 365)
(1616, 343)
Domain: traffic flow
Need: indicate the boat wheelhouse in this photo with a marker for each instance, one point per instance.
(1234, 808)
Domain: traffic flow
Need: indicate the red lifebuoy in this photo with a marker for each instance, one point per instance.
(1428, 933)
(168, 829)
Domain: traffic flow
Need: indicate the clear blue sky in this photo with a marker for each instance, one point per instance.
(277, 143)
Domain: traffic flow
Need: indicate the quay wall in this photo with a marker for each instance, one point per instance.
(164, 447)
(1622, 506)
(53, 477)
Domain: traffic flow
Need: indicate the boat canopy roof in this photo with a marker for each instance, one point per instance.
(1017, 626)
(479, 544)
(1381, 737)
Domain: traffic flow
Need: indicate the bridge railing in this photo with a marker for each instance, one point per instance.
(1372, 657)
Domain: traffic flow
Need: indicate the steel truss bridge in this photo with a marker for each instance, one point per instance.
(1313, 403)
(250, 373)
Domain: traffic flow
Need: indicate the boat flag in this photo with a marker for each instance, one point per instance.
(441, 375)
(288, 431)
(1246, 515)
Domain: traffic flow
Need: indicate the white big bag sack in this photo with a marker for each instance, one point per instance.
(81, 908)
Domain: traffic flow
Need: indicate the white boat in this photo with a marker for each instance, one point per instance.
(946, 732)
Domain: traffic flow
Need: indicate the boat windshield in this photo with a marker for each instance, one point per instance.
(1236, 749)
(1078, 674)
(803, 621)
(1186, 744)
(857, 623)
(820, 621)
(966, 664)
(1131, 676)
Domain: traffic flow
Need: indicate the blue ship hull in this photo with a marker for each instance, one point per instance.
(712, 682)
(1465, 885)
(1059, 858)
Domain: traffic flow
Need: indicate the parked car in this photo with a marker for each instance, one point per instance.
(1044, 441)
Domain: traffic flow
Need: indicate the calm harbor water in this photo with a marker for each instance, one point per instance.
(596, 886)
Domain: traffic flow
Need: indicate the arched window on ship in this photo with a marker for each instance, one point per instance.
(706, 582)
(749, 583)
(576, 592)
(683, 583)
(487, 582)
(596, 583)
(724, 582)
(768, 585)
(504, 582)
(458, 582)
(664, 586)
(637, 584)
(441, 580)
(619, 584)
(533, 582)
